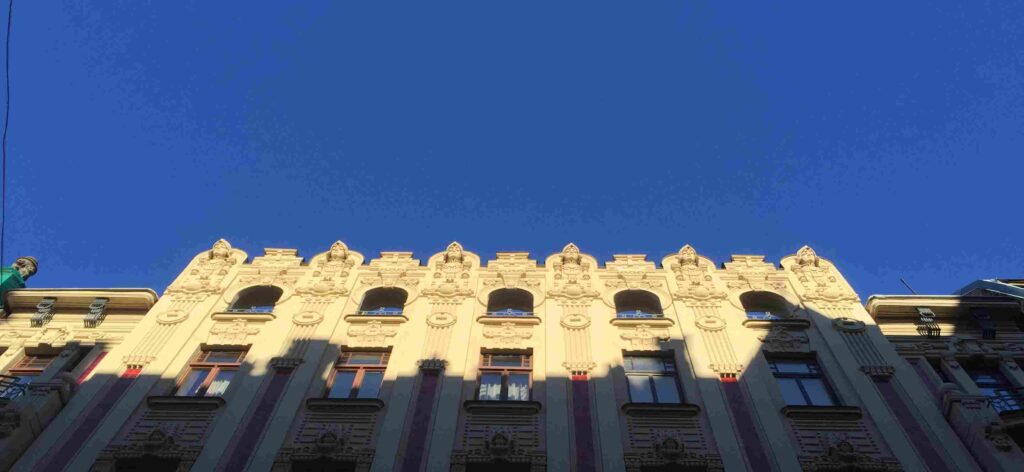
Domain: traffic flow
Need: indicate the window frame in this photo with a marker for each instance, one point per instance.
(20, 368)
(815, 372)
(526, 357)
(341, 365)
(199, 362)
(669, 369)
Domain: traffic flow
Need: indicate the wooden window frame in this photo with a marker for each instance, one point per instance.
(811, 361)
(342, 365)
(20, 368)
(665, 357)
(505, 371)
(199, 362)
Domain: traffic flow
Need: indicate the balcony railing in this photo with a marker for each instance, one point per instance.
(253, 309)
(637, 314)
(11, 387)
(1010, 399)
(383, 311)
(762, 316)
(510, 312)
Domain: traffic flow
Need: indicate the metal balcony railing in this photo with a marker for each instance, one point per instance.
(1010, 399)
(510, 312)
(253, 309)
(11, 387)
(637, 314)
(762, 316)
(383, 311)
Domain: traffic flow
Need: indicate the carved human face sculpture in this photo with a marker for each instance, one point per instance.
(337, 253)
(453, 254)
(688, 257)
(25, 266)
(807, 257)
(221, 250)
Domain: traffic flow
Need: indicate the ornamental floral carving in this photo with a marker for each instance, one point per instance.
(508, 334)
(693, 276)
(753, 273)
(572, 275)
(232, 332)
(372, 333)
(781, 339)
(644, 337)
(710, 322)
(818, 279)
(441, 319)
(843, 455)
(51, 336)
(632, 271)
(575, 321)
(512, 270)
(392, 269)
(451, 274)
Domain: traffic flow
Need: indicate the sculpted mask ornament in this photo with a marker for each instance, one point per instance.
(571, 274)
(221, 250)
(331, 272)
(205, 274)
(817, 278)
(337, 253)
(694, 280)
(26, 266)
(451, 274)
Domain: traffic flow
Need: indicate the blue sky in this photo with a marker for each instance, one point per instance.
(887, 135)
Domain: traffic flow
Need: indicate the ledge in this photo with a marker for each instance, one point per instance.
(385, 319)
(769, 324)
(344, 404)
(658, 322)
(673, 410)
(848, 413)
(229, 316)
(170, 402)
(519, 320)
(502, 407)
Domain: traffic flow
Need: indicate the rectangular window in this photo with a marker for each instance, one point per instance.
(505, 377)
(801, 382)
(358, 374)
(210, 373)
(652, 379)
(26, 371)
(994, 385)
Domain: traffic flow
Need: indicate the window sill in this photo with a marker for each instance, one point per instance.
(675, 410)
(502, 407)
(170, 402)
(519, 320)
(659, 322)
(383, 319)
(848, 413)
(768, 324)
(344, 404)
(253, 316)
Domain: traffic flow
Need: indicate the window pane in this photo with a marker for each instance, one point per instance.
(364, 358)
(194, 380)
(506, 360)
(519, 387)
(220, 383)
(666, 388)
(26, 379)
(640, 389)
(490, 386)
(818, 392)
(342, 386)
(788, 367)
(370, 386)
(791, 392)
(644, 364)
(223, 357)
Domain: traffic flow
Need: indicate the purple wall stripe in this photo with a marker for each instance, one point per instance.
(253, 429)
(581, 420)
(420, 422)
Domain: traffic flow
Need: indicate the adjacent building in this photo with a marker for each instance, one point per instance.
(455, 363)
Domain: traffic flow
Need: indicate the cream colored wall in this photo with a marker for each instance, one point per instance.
(575, 330)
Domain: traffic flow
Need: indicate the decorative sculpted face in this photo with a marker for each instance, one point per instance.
(221, 250)
(337, 253)
(807, 257)
(25, 266)
(687, 256)
(454, 254)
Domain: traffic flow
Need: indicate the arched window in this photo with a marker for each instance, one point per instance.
(256, 299)
(510, 302)
(765, 306)
(383, 301)
(637, 304)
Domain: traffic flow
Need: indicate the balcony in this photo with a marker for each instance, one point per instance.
(252, 309)
(382, 311)
(11, 387)
(509, 312)
(762, 316)
(637, 314)
(1008, 402)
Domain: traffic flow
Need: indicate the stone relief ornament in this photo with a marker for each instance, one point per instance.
(330, 271)
(572, 275)
(206, 273)
(508, 334)
(392, 269)
(848, 325)
(51, 336)
(753, 273)
(441, 319)
(818, 279)
(26, 266)
(693, 276)
(372, 333)
(644, 337)
(451, 274)
(710, 322)
(575, 321)
(781, 339)
(170, 317)
(307, 318)
(232, 332)
(10, 420)
(843, 455)
(512, 270)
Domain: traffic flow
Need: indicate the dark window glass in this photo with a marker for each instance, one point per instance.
(210, 373)
(651, 379)
(801, 382)
(505, 377)
(358, 374)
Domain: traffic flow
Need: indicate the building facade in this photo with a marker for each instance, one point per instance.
(276, 363)
(967, 349)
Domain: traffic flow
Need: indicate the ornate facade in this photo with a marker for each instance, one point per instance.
(276, 363)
